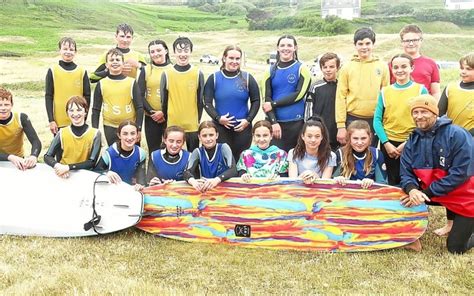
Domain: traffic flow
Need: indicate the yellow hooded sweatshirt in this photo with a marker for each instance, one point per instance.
(358, 86)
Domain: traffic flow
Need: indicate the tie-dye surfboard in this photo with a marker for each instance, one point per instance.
(285, 214)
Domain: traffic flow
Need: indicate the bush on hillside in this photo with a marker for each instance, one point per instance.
(231, 9)
(459, 17)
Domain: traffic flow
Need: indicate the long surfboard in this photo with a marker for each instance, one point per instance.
(36, 202)
(285, 214)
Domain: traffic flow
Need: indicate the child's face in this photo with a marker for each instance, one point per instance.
(232, 60)
(467, 73)
(158, 53)
(287, 49)
(364, 48)
(124, 40)
(128, 137)
(411, 43)
(182, 53)
(5, 108)
(208, 137)
(174, 142)
(401, 69)
(360, 140)
(77, 114)
(67, 52)
(329, 70)
(312, 137)
(262, 137)
(114, 64)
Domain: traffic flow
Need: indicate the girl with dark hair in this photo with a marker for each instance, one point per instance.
(76, 146)
(392, 118)
(285, 86)
(227, 94)
(168, 164)
(149, 84)
(211, 163)
(124, 160)
(357, 160)
(312, 157)
(262, 159)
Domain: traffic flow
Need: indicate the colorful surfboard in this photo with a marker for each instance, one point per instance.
(285, 214)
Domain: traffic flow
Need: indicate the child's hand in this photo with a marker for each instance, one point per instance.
(197, 184)
(17, 161)
(391, 150)
(158, 116)
(341, 180)
(53, 127)
(341, 135)
(138, 187)
(210, 183)
(30, 162)
(113, 177)
(246, 177)
(309, 177)
(61, 170)
(366, 183)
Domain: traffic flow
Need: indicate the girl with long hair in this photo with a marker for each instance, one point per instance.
(149, 84)
(312, 157)
(285, 86)
(357, 160)
(227, 94)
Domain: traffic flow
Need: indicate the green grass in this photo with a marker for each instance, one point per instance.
(133, 262)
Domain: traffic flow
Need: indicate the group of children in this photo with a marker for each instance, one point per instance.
(328, 129)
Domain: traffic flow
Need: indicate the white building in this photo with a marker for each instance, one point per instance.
(346, 9)
(459, 4)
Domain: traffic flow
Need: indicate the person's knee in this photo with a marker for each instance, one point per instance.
(456, 248)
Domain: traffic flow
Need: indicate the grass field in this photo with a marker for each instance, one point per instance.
(133, 262)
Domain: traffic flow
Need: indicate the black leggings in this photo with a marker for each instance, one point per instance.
(290, 132)
(458, 237)
(192, 141)
(110, 134)
(393, 165)
(153, 133)
(238, 141)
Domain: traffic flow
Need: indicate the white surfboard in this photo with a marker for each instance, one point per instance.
(36, 202)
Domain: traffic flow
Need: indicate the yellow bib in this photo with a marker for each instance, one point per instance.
(76, 149)
(153, 82)
(182, 98)
(66, 85)
(117, 103)
(11, 136)
(460, 105)
(397, 121)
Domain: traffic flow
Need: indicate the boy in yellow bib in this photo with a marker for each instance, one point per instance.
(64, 80)
(133, 62)
(76, 146)
(12, 128)
(181, 93)
(118, 97)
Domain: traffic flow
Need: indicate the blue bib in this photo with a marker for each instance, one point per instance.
(170, 171)
(211, 168)
(125, 167)
(231, 95)
(285, 82)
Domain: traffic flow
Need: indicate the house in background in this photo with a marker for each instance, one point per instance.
(459, 4)
(345, 9)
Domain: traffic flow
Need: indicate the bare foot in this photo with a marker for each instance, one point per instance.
(443, 231)
(415, 246)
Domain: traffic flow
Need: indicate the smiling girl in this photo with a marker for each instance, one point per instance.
(227, 94)
(261, 159)
(76, 146)
(168, 164)
(149, 84)
(211, 163)
(357, 160)
(312, 157)
(123, 160)
(392, 118)
(285, 86)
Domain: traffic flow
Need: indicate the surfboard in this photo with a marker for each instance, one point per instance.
(285, 214)
(36, 202)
